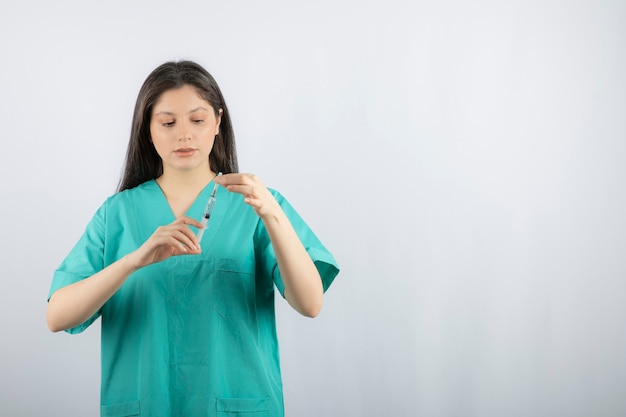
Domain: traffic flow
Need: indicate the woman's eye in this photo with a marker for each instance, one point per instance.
(198, 121)
(168, 124)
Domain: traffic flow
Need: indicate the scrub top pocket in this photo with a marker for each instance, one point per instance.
(234, 288)
(127, 409)
(248, 407)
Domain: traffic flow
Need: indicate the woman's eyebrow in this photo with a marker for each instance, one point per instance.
(169, 113)
(198, 108)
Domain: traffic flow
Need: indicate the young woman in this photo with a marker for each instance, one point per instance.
(188, 326)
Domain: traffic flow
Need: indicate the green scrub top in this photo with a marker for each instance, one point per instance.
(194, 335)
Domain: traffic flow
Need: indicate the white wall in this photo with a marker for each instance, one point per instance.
(464, 161)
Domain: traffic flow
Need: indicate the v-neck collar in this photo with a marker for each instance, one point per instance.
(195, 211)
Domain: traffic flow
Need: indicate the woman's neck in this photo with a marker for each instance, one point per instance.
(182, 188)
(176, 183)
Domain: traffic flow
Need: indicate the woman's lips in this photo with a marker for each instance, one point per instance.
(185, 151)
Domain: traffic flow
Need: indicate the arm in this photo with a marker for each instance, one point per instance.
(303, 285)
(74, 304)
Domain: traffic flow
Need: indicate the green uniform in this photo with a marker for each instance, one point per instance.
(194, 335)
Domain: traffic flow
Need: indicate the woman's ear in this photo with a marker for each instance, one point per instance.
(219, 121)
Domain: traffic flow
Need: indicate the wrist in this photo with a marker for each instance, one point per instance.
(275, 218)
(130, 262)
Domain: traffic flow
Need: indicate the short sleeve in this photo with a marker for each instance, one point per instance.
(324, 261)
(84, 260)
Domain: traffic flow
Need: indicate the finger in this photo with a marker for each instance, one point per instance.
(181, 233)
(236, 179)
(177, 235)
(227, 179)
(178, 247)
(255, 203)
(244, 190)
(183, 223)
(188, 221)
(187, 238)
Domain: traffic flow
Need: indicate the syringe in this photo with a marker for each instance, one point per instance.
(208, 210)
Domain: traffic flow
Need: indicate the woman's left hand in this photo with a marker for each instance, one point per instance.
(255, 193)
(303, 285)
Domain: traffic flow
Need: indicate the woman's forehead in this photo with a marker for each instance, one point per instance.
(186, 99)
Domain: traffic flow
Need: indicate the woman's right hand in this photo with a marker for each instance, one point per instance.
(73, 304)
(173, 239)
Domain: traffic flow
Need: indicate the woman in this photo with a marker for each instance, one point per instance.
(188, 325)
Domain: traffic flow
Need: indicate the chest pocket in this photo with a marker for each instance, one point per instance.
(248, 407)
(120, 410)
(234, 288)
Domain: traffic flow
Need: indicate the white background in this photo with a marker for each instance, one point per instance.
(464, 161)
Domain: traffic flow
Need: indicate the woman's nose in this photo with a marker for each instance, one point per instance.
(184, 134)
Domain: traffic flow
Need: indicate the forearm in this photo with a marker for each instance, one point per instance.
(74, 304)
(303, 285)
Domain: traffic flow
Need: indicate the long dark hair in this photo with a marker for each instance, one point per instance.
(142, 161)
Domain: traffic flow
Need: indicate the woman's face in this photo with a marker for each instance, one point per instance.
(183, 128)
